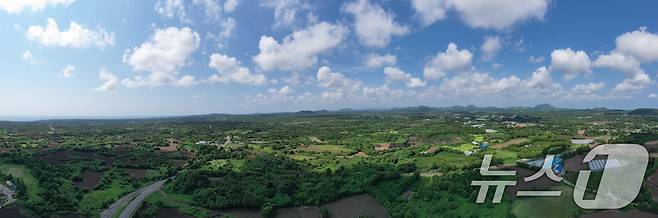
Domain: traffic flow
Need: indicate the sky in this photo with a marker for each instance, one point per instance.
(178, 57)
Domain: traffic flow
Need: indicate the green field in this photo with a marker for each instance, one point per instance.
(334, 149)
(562, 206)
(22, 173)
(178, 201)
(97, 200)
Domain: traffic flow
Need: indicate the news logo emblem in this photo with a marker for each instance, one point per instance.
(620, 184)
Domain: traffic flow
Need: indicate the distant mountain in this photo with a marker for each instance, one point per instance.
(544, 107)
(644, 112)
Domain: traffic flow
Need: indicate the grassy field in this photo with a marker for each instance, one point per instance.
(334, 149)
(465, 147)
(509, 157)
(562, 206)
(97, 200)
(181, 202)
(22, 173)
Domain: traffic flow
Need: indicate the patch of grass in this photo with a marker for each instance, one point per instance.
(178, 201)
(478, 138)
(509, 157)
(97, 200)
(562, 206)
(24, 174)
(334, 149)
(465, 147)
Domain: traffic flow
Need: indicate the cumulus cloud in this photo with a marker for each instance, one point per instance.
(640, 44)
(476, 83)
(77, 36)
(499, 14)
(299, 50)
(162, 55)
(429, 11)
(570, 63)
(394, 74)
(376, 60)
(452, 60)
(329, 79)
(67, 72)
(229, 70)
(228, 26)
(286, 12)
(110, 81)
(16, 6)
(632, 49)
(230, 5)
(171, 9)
(490, 47)
(27, 57)
(374, 26)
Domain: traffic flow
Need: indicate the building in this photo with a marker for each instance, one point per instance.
(484, 146)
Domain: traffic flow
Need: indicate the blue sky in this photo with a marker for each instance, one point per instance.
(176, 57)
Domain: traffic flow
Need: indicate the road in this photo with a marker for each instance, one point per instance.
(132, 200)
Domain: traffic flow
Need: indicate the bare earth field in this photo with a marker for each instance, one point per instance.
(90, 179)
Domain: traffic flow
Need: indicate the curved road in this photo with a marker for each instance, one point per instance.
(132, 200)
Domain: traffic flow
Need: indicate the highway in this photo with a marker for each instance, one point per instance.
(133, 200)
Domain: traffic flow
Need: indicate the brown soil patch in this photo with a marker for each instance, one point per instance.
(360, 154)
(575, 163)
(543, 183)
(172, 146)
(61, 157)
(432, 150)
(382, 147)
(651, 146)
(619, 214)
(511, 142)
(5, 150)
(136, 173)
(90, 180)
(237, 213)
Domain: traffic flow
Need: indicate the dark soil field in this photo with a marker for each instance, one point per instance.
(619, 214)
(575, 163)
(136, 173)
(90, 179)
(170, 213)
(543, 183)
(356, 206)
(61, 157)
(11, 212)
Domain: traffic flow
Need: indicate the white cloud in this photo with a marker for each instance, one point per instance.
(211, 7)
(230, 5)
(286, 11)
(67, 72)
(328, 79)
(499, 14)
(162, 55)
(619, 62)
(172, 8)
(475, 83)
(653, 95)
(640, 44)
(570, 63)
(588, 88)
(300, 49)
(110, 81)
(374, 26)
(376, 60)
(77, 36)
(16, 6)
(540, 84)
(452, 60)
(635, 82)
(429, 11)
(490, 47)
(27, 57)
(228, 26)
(537, 59)
(394, 74)
(229, 69)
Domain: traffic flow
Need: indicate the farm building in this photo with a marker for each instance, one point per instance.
(484, 145)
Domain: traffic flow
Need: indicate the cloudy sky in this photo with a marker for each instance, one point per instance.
(176, 57)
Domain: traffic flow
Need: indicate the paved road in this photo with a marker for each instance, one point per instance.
(132, 200)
